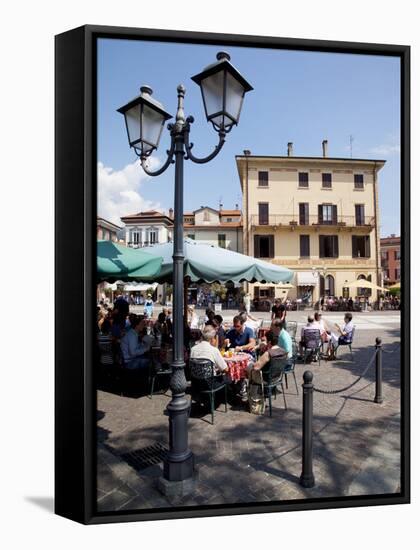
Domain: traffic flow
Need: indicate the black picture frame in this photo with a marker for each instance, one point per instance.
(75, 253)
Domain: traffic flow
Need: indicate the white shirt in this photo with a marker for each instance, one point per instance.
(310, 326)
(204, 350)
(348, 328)
(253, 325)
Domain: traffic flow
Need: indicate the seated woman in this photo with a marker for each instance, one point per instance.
(273, 350)
(343, 337)
(320, 323)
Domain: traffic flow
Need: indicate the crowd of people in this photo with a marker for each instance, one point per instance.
(127, 338)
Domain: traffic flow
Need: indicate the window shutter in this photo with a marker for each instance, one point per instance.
(321, 246)
(304, 246)
(334, 214)
(367, 246)
(354, 246)
(320, 218)
(335, 246)
(271, 246)
(257, 246)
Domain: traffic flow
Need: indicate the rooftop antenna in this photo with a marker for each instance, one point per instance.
(351, 146)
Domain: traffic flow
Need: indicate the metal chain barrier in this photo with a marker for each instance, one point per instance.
(391, 351)
(330, 392)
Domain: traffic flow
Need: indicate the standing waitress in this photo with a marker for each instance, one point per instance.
(278, 311)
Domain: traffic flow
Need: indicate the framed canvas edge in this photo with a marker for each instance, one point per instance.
(85, 485)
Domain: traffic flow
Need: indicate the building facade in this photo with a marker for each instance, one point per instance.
(391, 259)
(319, 216)
(106, 230)
(148, 228)
(221, 227)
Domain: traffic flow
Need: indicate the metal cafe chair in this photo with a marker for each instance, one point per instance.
(272, 374)
(312, 344)
(291, 328)
(158, 369)
(290, 365)
(348, 343)
(204, 381)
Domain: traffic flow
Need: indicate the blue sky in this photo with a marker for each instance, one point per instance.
(303, 97)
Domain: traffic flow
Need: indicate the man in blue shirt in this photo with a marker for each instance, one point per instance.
(240, 337)
(133, 349)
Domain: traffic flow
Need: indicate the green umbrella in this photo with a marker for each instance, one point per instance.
(115, 261)
(207, 263)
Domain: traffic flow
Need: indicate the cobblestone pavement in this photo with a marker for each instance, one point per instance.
(247, 458)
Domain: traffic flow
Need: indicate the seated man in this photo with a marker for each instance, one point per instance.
(284, 339)
(344, 337)
(134, 350)
(240, 337)
(207, 349)
(310, 325)
(249, 322)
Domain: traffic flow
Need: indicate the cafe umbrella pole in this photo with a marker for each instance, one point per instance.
(223, 89)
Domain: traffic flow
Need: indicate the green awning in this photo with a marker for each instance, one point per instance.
(207, 263)
(116, 261)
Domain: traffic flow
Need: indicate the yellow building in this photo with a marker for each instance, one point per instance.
(319, 216)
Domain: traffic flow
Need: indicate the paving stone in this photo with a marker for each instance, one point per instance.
(248, 458)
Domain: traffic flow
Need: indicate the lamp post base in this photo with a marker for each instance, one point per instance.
(307, 481)
(176, 472)
(177, 489)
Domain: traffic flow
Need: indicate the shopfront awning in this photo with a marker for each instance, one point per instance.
(306, 278)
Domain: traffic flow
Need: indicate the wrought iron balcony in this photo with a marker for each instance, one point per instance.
(285, 220)
(133, 244)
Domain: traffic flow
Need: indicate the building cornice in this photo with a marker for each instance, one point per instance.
(107, 224)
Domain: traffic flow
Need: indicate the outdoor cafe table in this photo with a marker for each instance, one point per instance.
(237, 365)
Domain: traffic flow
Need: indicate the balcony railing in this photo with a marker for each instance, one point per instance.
(140, 245)
(277, 220)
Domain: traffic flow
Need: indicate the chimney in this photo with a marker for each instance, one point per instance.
(236, 206)
(325, 148)
(171, 213)
(247, 152)
(290, 149)
(220, 206)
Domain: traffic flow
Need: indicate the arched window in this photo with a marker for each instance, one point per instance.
(329, 285)
(326, 285)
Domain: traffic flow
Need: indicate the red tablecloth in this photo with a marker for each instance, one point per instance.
(237, 365)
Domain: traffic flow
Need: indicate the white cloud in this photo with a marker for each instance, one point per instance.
(119, 191)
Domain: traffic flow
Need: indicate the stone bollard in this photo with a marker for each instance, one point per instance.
(307, 477)
(378, 370)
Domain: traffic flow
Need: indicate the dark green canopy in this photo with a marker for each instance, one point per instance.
(207, 263)
(115, 261)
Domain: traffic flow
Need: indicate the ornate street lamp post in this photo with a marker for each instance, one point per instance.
(223, 89)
